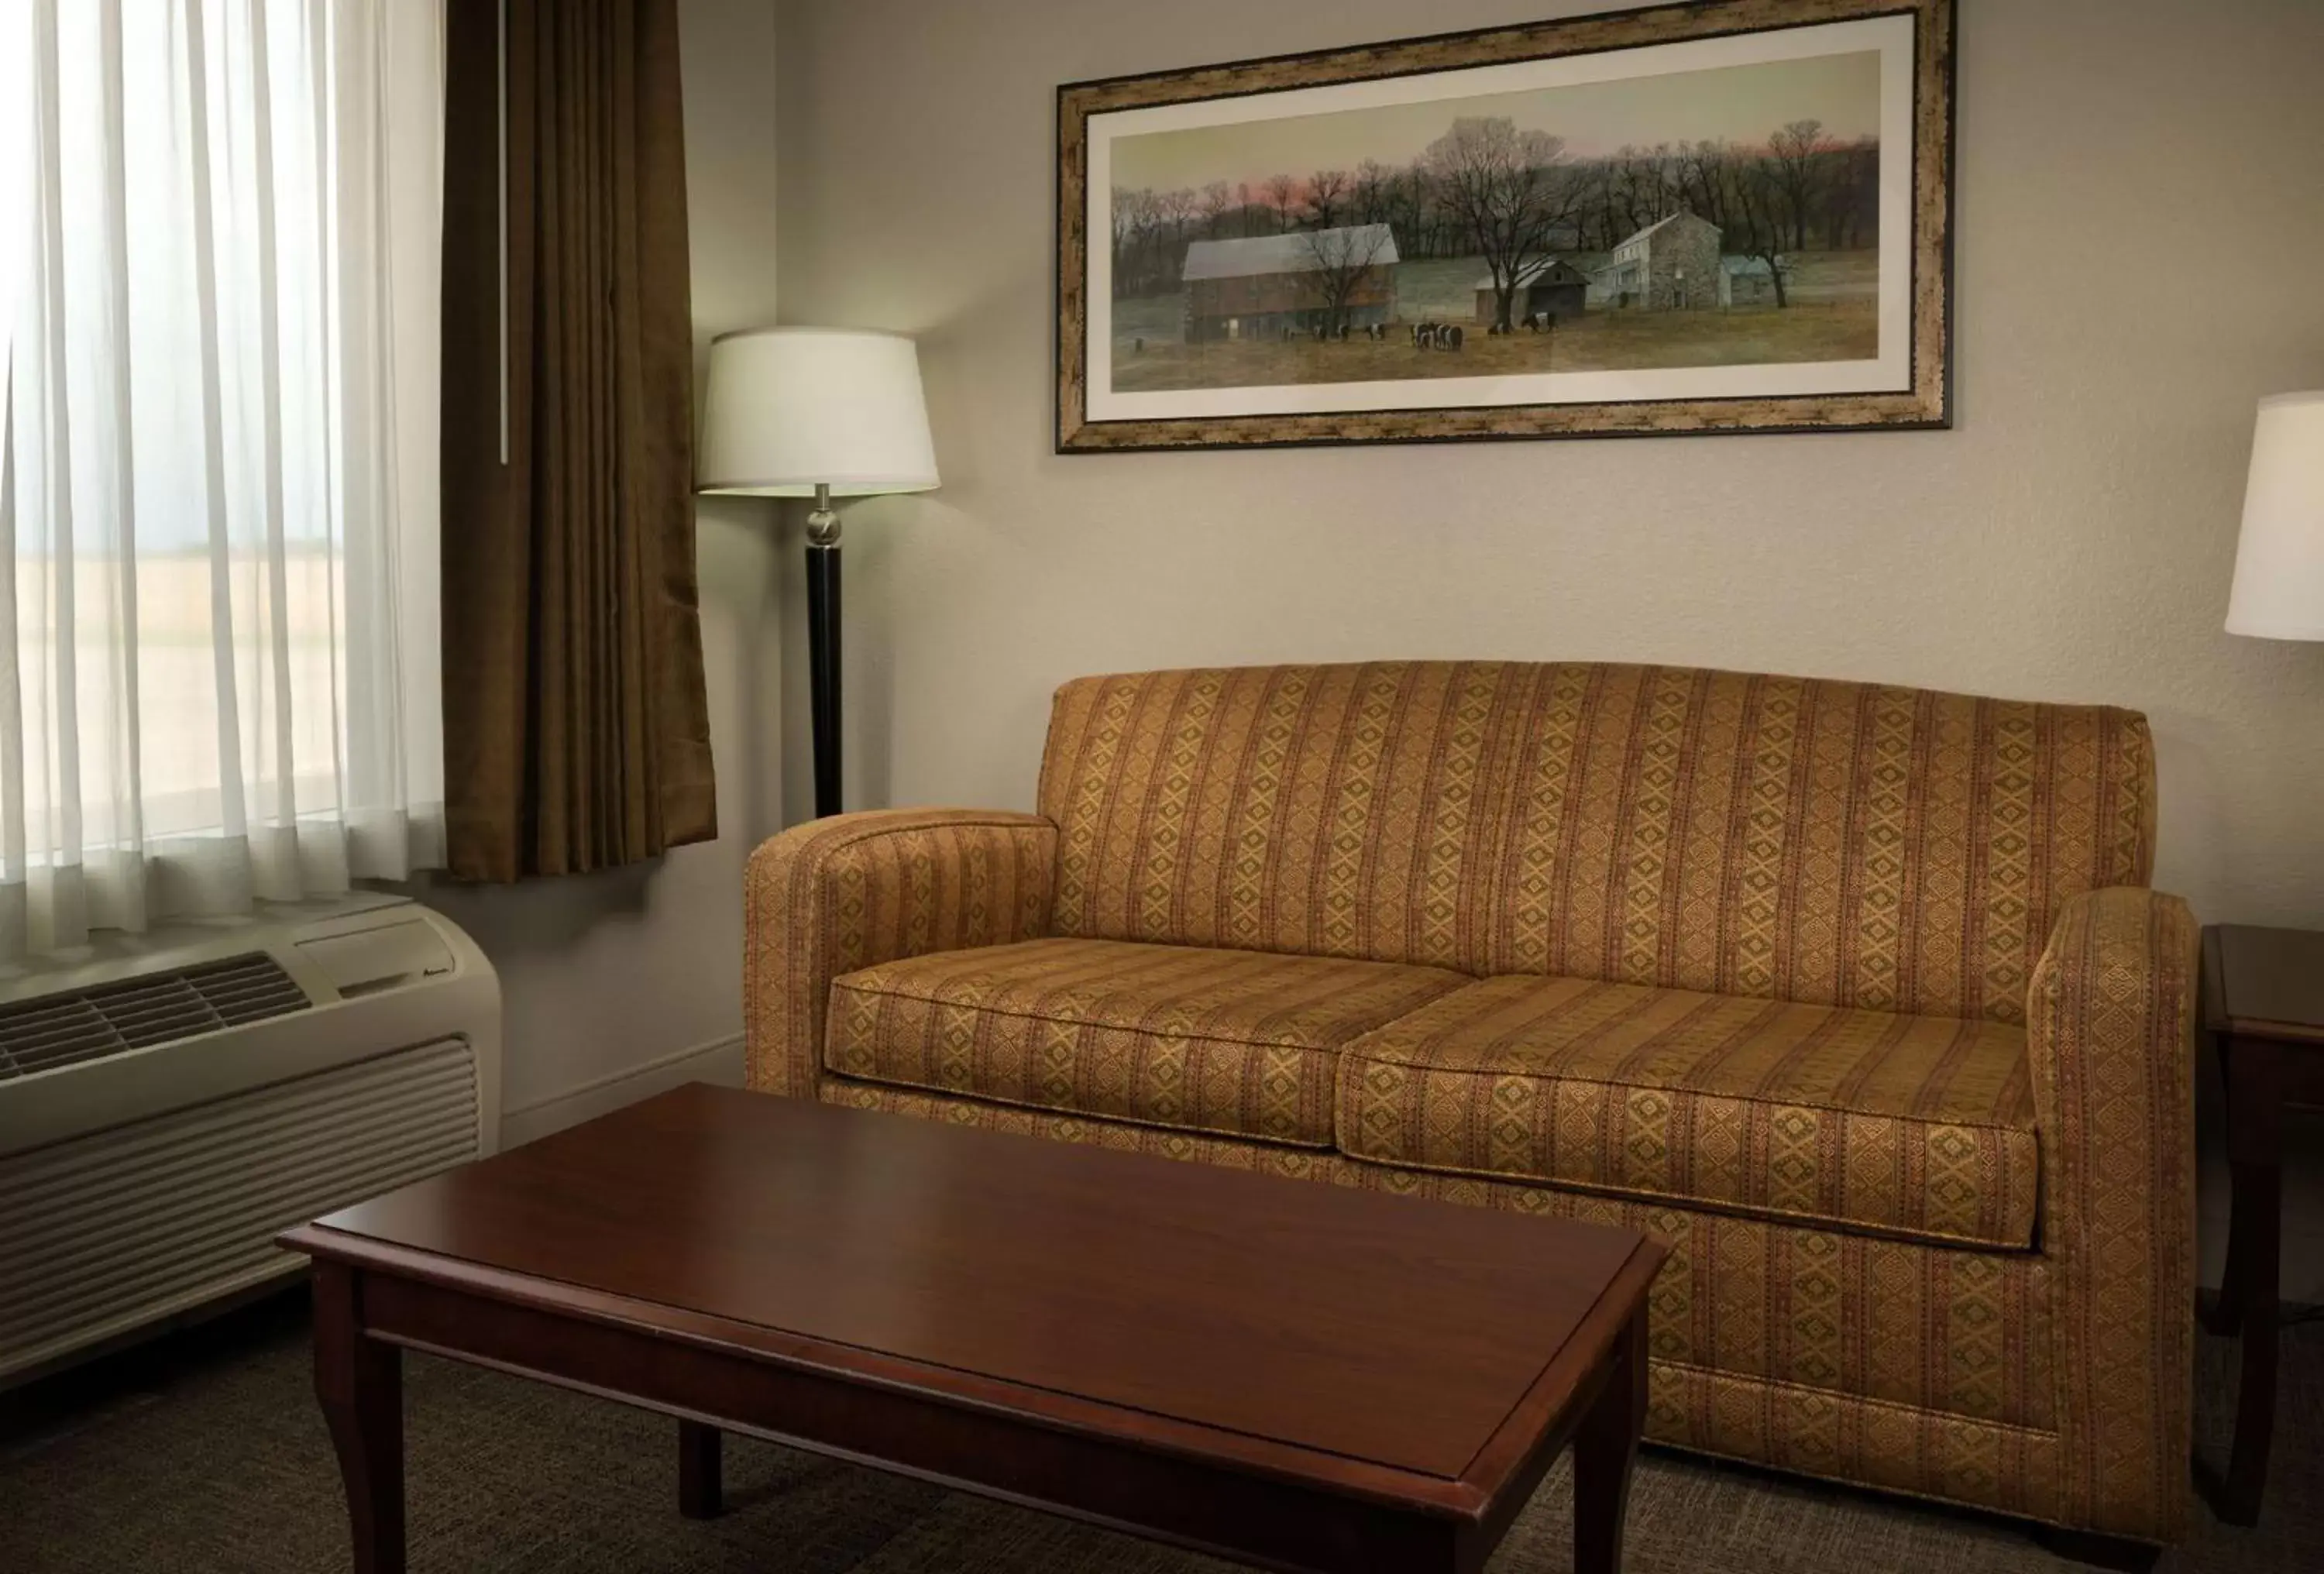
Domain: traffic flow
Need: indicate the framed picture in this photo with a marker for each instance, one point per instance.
(1724, 216)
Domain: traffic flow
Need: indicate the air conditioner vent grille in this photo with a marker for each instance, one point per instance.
(108, 1231)
(60, 1030)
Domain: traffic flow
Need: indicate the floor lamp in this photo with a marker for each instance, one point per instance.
(824, 413)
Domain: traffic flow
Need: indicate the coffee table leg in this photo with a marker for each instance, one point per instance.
(360, 1381)
(699, 1493)
(1603, 1452)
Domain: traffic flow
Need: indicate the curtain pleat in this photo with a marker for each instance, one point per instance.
(576, 730)
(123, 886)
(216, 502)
(15, 920)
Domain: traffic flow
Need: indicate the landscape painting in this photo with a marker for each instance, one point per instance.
(1665, 222)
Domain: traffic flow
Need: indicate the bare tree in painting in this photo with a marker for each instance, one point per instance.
(1178, 212)
(1403, 203)
(1758, 202)
(1370, 194)
(1342, 258)
(1704, 177)
(1218, 201)
(1134, 214)
(1507, 188)
(1641, 184)
(1282, 196)
(1327, 195)
(1852, 198)
(1796, 157)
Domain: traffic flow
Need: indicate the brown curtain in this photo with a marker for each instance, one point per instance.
(576, 731)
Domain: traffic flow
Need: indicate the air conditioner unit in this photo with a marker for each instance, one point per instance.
(169, 1107)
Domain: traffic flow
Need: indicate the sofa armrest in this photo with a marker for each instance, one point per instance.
(2110, 1024)
(838, 894)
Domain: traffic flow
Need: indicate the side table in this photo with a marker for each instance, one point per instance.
(2263, 1006)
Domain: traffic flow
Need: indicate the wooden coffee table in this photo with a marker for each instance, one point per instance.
(1295, 1376)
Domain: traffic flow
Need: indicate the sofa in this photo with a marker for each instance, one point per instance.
(1855, 997)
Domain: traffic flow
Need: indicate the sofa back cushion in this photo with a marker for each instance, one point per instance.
(1838, 843)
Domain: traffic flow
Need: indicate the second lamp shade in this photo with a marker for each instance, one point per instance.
(2279, 588)
(788, 410)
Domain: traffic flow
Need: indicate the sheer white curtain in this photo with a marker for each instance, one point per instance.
(219, 684)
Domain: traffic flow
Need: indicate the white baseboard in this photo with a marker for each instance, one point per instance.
(719, 1061)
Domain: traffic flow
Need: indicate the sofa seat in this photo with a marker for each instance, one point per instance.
(1921, 1126)
(1236, 1043)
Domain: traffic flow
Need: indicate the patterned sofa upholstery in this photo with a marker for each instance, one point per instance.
(1854, 997)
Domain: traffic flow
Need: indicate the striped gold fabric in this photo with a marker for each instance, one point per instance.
(1852, 996)
(1918, 1124)
(1805, 1312)
(1780, 838)
(1234, 1042)
(1920, 1453)
(2113, 1050)
(836, 895)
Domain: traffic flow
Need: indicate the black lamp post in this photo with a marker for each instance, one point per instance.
(822, 646)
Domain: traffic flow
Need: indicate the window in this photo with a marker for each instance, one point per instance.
(218, 258)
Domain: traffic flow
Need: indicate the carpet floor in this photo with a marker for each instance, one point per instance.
(206, 1453)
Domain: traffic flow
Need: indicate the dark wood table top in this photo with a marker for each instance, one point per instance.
(2267, 983)
(1306, 1328)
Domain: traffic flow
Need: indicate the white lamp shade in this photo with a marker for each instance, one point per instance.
(2279, 592)
(788, 410)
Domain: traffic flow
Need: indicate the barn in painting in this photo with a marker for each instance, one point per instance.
(1750, 281)
(1261, 286)
(1550, 285)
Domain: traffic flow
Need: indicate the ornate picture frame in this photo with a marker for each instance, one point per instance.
(1728, 216)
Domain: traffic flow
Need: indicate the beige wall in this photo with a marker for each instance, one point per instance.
(620, 983)
(2141, 239)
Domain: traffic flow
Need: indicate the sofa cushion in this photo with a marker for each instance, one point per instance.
(1918, 1126)
(1235, 1042)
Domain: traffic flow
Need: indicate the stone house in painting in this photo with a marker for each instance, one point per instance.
(1673, 264)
